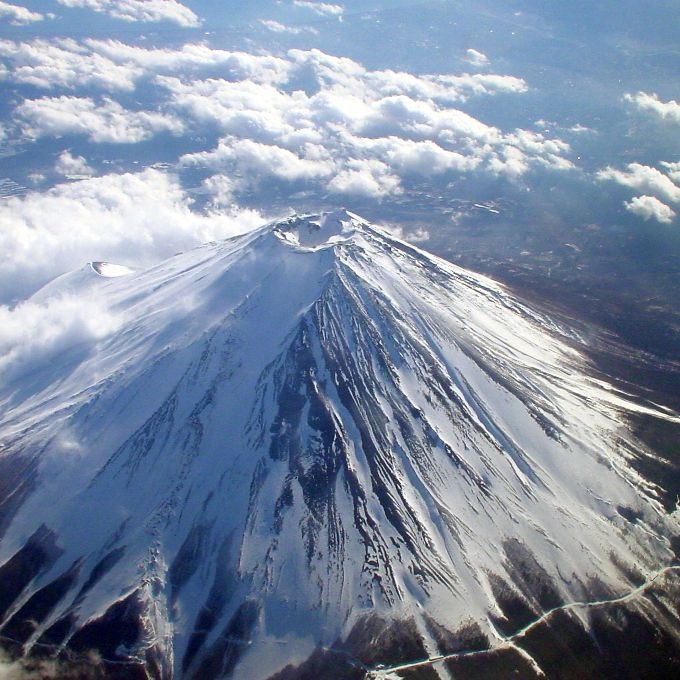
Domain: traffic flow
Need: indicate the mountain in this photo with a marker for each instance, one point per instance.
(316, 450)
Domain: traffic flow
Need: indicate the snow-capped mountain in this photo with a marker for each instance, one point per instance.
(275, 442)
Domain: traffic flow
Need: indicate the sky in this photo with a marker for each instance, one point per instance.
(131, 130)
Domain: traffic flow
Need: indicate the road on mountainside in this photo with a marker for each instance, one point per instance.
(384, 673)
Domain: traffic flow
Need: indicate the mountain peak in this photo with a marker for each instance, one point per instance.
(264, 456)
(318, 231)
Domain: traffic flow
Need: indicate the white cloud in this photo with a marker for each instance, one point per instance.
(140, 10)
(221, 189)
(510, 162)
(650, 102)
(413, 235)
(643, 178)
(133, 219)
(72, 167)
(368, 177)
(401, 120)
(649, 207)
(476, 84)
(673, 170)
(195, 57)
(32, 334)
(320, 8)
(257, 98)
(276, 27)
(258, 111)
(254, 160)
(104, 121)
(116, 66)
(17, 15)
(305, 117)
(407, 156)
(346, 73)
(476, 58)
(66, 63)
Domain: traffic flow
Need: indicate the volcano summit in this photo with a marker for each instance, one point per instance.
(316, 450)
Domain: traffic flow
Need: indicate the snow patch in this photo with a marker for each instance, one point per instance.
(110, 270)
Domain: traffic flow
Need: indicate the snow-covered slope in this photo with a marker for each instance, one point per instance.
(288, 432)
(76, 282)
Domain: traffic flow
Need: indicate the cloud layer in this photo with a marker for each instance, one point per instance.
(304, 117)
(360, 131)
(113, 66)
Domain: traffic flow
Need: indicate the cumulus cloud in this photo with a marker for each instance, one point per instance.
(140, 10)
(254, 159)
(67, 64)
(115, 66)
(333, 71)
(374, 125)
(414, 235)
(509, 161)
(366, 177)
(650, 207)
(103, 121)
(221, 189)
(320, 8)
(17, 15)
(343, 106)
(306, 116)
(133, 219)
(233, 65)
(650, 102)
(413, 157)
(643, 178)
(72, 167)
(673, 170)
(258, 111)
(476, 58)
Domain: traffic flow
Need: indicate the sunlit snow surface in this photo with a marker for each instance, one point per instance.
(309, 423)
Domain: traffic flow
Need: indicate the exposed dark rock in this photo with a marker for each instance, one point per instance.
(501, 664)
(223, 655)
(40, 604)
(37, 555)
(17, 479)
(467, 638)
